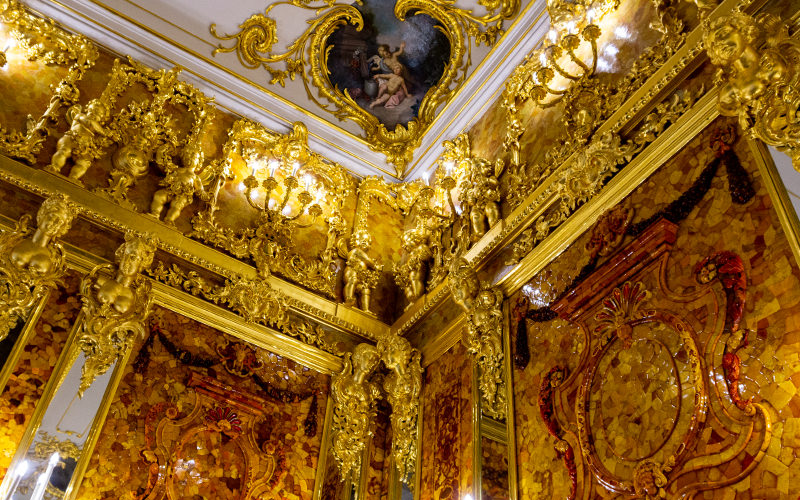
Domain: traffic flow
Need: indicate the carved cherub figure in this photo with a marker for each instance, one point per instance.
(402, 388)
(758, 76)
(361, 273)
(483, 337)
(78, 141)
(411, 274)
(53, 220)
(132, 257)
(182, 183)
(481, 194)
(30, 265)
(131, 161)
(114, 308)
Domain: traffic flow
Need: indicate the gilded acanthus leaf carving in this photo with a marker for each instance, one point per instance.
(759, 77)
(254, 300)
(115, 308)
(354, 398)
(483, 337)
(32, 264)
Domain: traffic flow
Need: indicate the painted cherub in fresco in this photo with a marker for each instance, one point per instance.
(386, 59)
(393, 90)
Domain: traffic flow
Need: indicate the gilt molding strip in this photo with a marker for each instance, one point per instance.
(111, 215)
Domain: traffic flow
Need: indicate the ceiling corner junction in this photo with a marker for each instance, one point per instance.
(299, 78)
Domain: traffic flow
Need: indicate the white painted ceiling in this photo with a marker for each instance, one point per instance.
(167, 33)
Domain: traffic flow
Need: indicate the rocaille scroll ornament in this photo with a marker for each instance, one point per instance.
(32, 264)
(114, 308)
(307, 57)
(479, 187)
(483, 337)
(759, 77)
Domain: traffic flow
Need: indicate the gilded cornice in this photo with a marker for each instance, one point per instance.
(110, 215)
(212, 315)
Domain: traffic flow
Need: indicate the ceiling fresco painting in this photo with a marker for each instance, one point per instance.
(347, 45)
(388, 66)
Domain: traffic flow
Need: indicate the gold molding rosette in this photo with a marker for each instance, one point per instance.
(307, 58)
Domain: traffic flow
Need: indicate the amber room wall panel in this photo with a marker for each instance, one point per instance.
(202, 415)
(669, 366)
(447, 437)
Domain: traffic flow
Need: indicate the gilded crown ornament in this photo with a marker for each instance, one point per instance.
(758, 76)
(32, 261)
(115, 308)
(483, 337)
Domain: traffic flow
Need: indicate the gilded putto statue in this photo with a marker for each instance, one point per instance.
(759, 77)
(32, 264)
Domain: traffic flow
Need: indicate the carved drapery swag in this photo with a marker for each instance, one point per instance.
(759, 77)
(483, 337)
(114, 307)
(32, 261)
(355, 395)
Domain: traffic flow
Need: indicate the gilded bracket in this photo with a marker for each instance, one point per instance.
(354, 398)
(483, 337)
(114, 308)
(32, 264)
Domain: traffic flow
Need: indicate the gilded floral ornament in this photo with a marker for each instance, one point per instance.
(483, 337)
(43, 41)
(32, 262)
(307, 57)
(759, 77)
(114, 308)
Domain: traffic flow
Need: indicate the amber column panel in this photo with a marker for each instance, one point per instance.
(22, 341)
(446, 456)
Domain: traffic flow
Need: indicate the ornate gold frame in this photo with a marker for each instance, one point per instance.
(306, 57)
